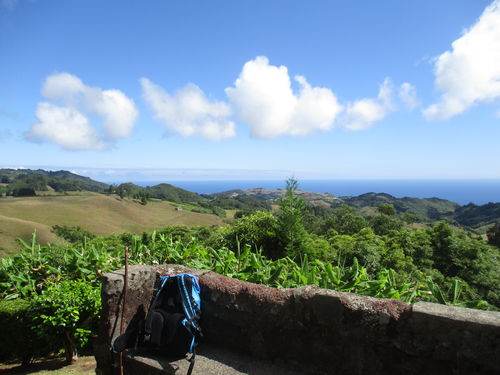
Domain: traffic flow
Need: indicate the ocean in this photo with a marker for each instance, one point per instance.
(460, 191)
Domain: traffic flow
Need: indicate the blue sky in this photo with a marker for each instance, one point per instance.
(252, 89)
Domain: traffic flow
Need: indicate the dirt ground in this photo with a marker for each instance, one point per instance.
(53, 366)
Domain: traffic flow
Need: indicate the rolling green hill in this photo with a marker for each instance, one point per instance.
(165, 192)
(424, 209)
(474, 216)
(97, 213)
(44, 180)
(64, 198)
(429, 210)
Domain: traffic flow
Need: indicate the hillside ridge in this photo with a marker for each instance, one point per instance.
(26, 182)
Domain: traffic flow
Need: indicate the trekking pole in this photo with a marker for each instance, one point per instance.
(124, 305)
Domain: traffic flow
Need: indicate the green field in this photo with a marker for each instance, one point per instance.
(97, 213)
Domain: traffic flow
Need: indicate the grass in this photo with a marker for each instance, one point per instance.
(97, 213)
(52, 366)
(11, 228)
(230, 213)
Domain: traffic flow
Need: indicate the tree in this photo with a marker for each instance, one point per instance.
(67, 311)
(365, 246)
(72, 234)
(409, 218)
(23, 191)
(259, 230)
(291, 215)
(383, 224)
(494, 235)
(121, 192)
(344, 221)
(386, 209)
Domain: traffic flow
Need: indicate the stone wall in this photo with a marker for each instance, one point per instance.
(317, 329)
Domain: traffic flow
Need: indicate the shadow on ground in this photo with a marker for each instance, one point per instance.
(53, 366)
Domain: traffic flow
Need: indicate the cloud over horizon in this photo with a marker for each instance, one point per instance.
(189, 112)
(67, 123)
(469, 74)
(363, 113)
(263, 98)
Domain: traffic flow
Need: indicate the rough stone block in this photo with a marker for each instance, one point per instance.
(316, 330)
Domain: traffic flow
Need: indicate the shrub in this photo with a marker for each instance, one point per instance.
(494, 235)
(258, 230)
(17, 339)
(72, 234)
(67, 312)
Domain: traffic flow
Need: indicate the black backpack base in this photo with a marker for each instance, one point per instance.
(169, 337)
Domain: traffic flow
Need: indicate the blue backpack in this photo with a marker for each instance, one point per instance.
(171, 327)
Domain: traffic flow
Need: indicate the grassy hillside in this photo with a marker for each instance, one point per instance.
(43, 180)
(161, 191)
(99, 214)
(11, 228)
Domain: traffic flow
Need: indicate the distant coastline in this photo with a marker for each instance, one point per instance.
(460, 191)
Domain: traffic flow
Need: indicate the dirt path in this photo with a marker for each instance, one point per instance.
(56, 366)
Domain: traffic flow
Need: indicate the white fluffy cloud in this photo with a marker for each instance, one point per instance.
(408, 95)
(189, 112)
(263, 98)
(65, 127)
(363, 113)
(469, 74)
(68, 124)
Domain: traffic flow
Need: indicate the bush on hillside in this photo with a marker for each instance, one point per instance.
(72, 234)
(18, 340)
(259, 230)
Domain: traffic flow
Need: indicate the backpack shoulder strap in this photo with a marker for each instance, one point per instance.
(190, 295)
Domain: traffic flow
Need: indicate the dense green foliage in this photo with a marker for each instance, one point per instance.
(72, 234)
(40, 180)
(67, 310)
(423, 209)
(429, 210)
(162, 191)
(494, 235)
(241, 203)
(475, 216)
(17, 337)
(410, 210)
(183, 198)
